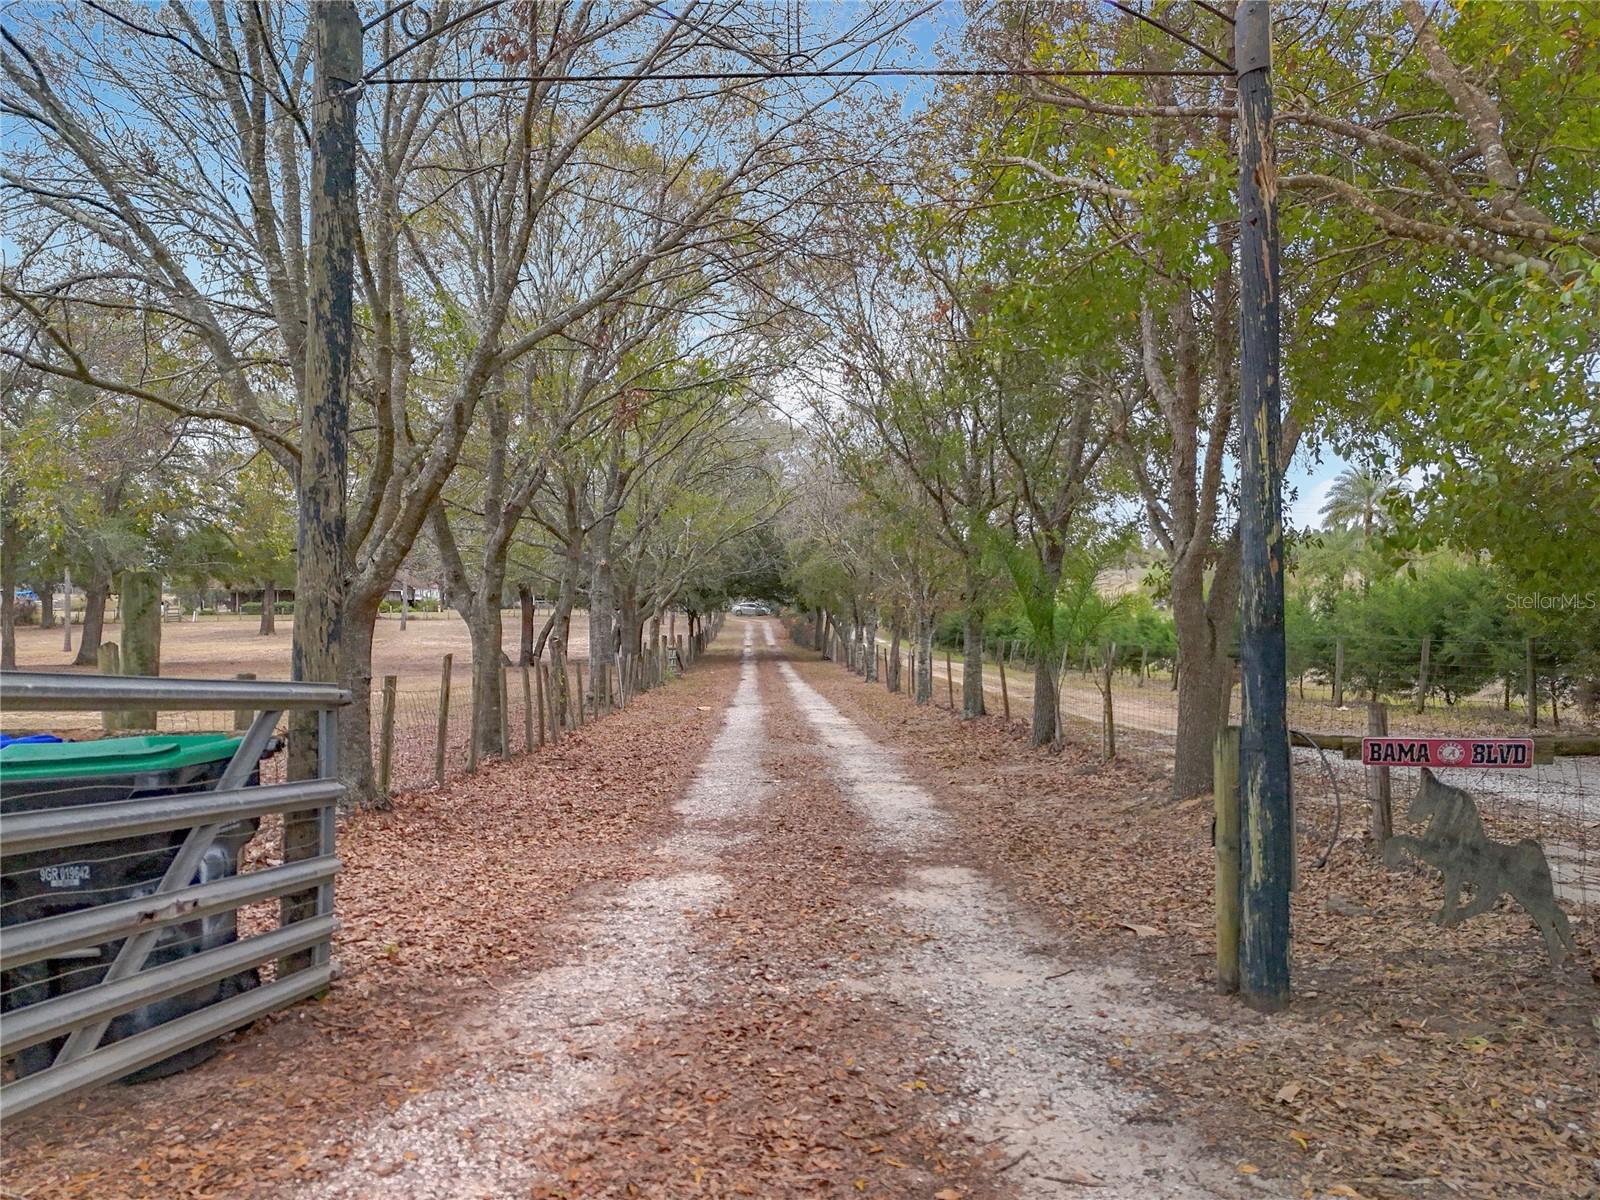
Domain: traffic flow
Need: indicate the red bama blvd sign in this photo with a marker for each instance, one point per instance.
(1447, 752)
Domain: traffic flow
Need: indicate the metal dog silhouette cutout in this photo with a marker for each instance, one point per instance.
(1454, 842)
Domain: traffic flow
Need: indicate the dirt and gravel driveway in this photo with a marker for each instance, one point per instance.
(780, 974)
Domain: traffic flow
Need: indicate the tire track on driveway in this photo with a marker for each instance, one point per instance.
(557, 1039)
(1025, 1033)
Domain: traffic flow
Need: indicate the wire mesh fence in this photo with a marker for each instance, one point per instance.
(430, 739)
(1127, 699)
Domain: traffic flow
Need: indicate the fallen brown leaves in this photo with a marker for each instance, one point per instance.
(779, 1080)
(440, 897)
(1415, 1061)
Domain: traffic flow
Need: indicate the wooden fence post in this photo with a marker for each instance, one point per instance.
(1144, 663)
(538, 701)
(1005, 694)
(553, 700)
(949, 681)
(1532, 689)
(443, 738)
(1338, 672)
(110, 663)
(1378, 786)
(1422, 672)
(242, 717)
(577, 670)
(386, 734)
(527, 710)
(1225, 793)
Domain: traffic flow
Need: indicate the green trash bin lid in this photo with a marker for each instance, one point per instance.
(114, 756)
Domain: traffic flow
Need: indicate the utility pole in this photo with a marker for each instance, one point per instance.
(1268, 827)
(325, 410)
(324, 415)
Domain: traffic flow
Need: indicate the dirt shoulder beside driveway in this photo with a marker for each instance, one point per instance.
(1415, 1062)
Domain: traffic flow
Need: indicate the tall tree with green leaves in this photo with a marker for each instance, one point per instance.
(1360, 499)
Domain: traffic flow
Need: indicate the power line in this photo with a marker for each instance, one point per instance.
(835, 73)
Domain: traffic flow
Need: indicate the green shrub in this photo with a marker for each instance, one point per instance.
(252, 608)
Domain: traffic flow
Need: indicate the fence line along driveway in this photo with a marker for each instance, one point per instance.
(1556, 803)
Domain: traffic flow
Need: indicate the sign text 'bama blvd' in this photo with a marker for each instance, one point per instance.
(1446, 752)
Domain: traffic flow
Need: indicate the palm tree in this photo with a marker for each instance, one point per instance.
(1359, 498)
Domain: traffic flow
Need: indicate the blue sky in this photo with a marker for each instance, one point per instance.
(1312, 483)
(1306, 483)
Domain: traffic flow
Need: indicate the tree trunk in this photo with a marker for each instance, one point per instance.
(602, 600)
(972, 664)
(893, 681)
(141, 636)
(269, 610)
(486, 632)
(1046, 697)
(94, 622)
(525, 603)
(870, 648)
(47, 605)
(559, 692)
(630, 621)
(924, 672)
(355, 719)
(8, 597)
(1204, 685)
(1045, 701)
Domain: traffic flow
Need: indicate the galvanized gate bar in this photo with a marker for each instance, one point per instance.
(179, 874)
(23, 944)
(126, 985)
(153, 1045)
(55, 829)
(54, 691)
(327, 823)
(102, 1001)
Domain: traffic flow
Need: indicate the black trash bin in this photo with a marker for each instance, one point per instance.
(35, 776)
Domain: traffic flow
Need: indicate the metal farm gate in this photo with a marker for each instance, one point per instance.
(87, 964)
